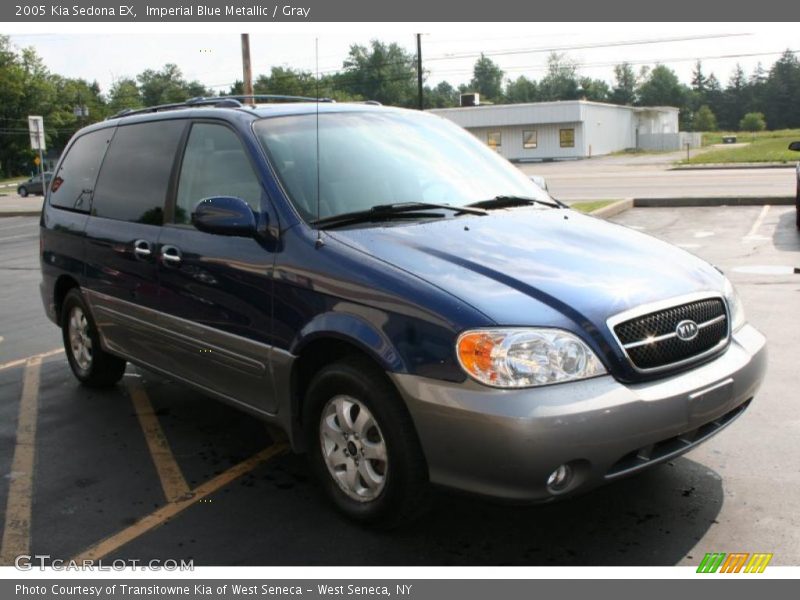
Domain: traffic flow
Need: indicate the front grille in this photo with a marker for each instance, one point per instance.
(650, 340)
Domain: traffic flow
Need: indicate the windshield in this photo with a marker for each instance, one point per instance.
(376, 158)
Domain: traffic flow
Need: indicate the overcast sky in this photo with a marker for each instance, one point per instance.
(449, 51)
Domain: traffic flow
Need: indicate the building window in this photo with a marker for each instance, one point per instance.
(494, 139)
(567, 138)
(529, 140)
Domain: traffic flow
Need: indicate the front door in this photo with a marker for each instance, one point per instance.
(217, 290)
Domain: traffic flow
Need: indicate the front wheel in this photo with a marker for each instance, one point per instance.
(363, 447)
(22, 191)
(91, 365)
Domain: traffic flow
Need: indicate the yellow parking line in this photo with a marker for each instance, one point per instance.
(21, 361)
(17, 530)
(163, 514)
(172, 480)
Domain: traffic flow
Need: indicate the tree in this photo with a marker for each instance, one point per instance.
(624, 91)
(661, 87)
(521, 90)
(698, 79)
(781, 92)
(487, 79)
(287, 82)
(168, 85)
(753, 121)
(561, 80)
(443, 95)
(386, 73)
(124, 94)
(704, 119)
(595, 90)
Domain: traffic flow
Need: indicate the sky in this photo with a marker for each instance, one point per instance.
(212, 54)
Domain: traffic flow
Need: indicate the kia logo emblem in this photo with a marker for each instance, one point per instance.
(687, 330)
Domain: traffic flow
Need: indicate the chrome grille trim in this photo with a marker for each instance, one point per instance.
(654, 307)
(667, 336)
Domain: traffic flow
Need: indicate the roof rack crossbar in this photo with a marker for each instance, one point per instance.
(234, 101)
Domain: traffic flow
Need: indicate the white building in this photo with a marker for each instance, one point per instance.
(568, 129)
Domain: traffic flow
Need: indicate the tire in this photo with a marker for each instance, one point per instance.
(22, 191)
(91, 365)
(382, 493)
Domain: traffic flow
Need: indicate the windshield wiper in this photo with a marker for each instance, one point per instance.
(511, 201)
(399, 210)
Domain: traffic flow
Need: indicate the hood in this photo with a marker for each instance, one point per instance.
(539, 267)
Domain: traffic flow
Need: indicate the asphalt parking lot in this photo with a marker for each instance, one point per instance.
(151, 469)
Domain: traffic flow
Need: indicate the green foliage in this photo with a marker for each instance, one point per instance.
(625, 85)
(753, 121)
(487, 79)
(704, 119)
(761, 149)
(561, 80)
(386, 73)
(521, 90)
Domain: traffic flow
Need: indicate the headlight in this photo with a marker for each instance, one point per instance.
(734, 306)
(516, 358)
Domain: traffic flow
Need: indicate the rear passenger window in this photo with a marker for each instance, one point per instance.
(214, 164)
(73, 183)
(133, 182)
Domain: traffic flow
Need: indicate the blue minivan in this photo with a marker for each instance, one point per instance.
(408, 306)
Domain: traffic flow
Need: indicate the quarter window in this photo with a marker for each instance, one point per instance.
(214, 164)
(134, 180)
(567, 138)
(74, 182)
(529, 141)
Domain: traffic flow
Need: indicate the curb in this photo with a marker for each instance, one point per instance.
(713, 201)
(612, 210)
(731, 166)
(20, 213)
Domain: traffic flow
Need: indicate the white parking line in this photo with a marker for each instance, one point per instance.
(759, 220)
(21, 361)
(17, 530)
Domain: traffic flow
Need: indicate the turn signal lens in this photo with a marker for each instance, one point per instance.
(525, 357)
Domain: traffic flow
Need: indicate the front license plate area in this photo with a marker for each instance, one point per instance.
(710, 402)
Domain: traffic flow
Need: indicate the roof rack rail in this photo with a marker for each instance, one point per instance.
(236, 101)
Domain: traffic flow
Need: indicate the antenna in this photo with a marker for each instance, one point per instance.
(319, 243)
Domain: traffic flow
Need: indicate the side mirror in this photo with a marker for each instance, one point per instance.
(795, 146)
(539, 180)
(224, 215)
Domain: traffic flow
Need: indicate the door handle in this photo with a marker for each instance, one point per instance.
(171, 255)
(141, 248)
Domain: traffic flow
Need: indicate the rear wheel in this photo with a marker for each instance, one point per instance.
(363, 447)
(92, 365)
(22, 191)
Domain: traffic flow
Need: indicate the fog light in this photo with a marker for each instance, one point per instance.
(559, 479)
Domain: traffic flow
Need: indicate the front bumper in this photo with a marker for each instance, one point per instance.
(505, 443)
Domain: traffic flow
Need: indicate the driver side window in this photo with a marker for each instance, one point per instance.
(214, 164)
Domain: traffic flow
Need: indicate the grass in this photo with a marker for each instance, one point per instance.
(590, 205)
(12, 180)
(715, 137)
(764, 148)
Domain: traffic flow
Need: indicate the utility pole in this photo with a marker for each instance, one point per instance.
(419, 70)
(247, 72)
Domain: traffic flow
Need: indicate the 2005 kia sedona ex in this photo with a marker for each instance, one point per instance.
(408, 306)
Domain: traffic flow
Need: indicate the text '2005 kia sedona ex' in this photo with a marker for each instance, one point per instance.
(408, 306)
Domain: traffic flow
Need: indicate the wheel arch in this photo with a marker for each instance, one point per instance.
(327, 339)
